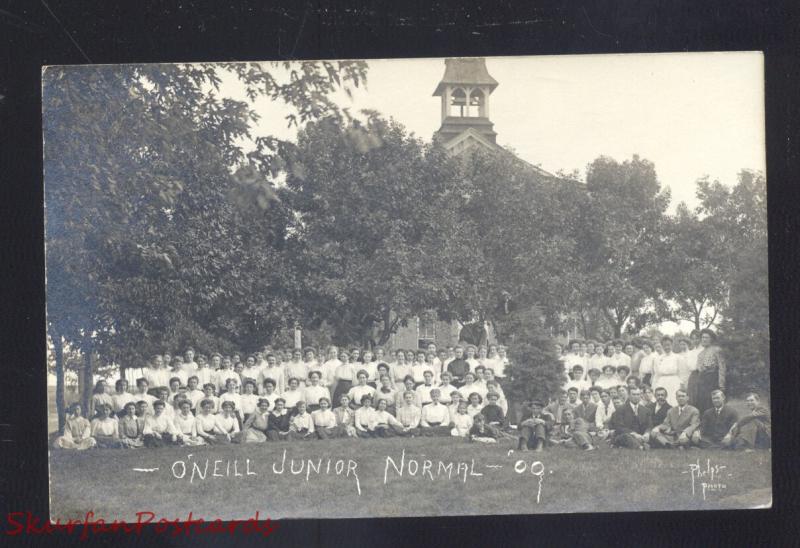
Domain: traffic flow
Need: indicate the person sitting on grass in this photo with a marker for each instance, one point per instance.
(314, 391)
(301, 425)
(186, 424)
(255, 426)
(292, 394)
(424, 390)
(574, 431)
(386, 392)
(279, 421)
(435, 417)
(715, 424)
(556, 409)
(475, 404)
(408, 386)
(586, 410)
(679, 425)
(361, 389)
(409, 416)
(77, 431)
(227, 422)
(383, 424)
(754, 430)
(232, 395)
(631, 423)
(345, 417)
(462, 421)
(324, 420)
(131, 428)
(493, 385)
(481, 431)
(535, 426)
(363, 417)
(159, 429)
(572, 397)
(491, 411)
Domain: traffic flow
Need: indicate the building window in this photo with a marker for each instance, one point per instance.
(427, 331)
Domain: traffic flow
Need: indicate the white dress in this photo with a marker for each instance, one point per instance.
(666, 375)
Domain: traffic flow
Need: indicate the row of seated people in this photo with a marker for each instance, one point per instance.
(135, 426)
(635, 424)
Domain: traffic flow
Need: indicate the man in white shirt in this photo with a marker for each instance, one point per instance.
(435, 417)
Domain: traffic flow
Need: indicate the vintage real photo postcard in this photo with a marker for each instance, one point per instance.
(407, 287)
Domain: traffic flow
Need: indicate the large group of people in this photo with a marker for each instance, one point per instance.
(291, 394)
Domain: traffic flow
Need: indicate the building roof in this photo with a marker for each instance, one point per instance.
(466, 71)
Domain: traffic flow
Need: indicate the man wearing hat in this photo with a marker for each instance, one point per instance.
(535, 426)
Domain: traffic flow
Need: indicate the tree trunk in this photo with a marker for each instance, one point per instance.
(88, 376)
(58, 348)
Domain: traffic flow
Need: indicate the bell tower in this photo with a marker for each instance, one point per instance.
(465, 89)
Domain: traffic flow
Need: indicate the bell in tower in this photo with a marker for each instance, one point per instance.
(465, 89)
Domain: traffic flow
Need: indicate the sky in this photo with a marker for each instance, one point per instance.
(692, 114)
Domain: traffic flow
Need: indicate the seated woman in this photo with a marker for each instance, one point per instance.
(77, 431)
(361, 389)
(131, 427)
(208, 394)
(121, 397)
(324, 420)
(186, 424)
(255, 427)
(386, 393)
(301, 425)
(383, 424)
(363, 417)
(232, 395)
(462, 421)
(279, 421)
(105, 428)
(434, 417)
(249, 399)
(573, 432)
(99, 397)
(206, 423)
(292, 394)
(227, 423)
(754, 430)
(408, 415)
(345, 417)
(475, 404)
(159, 429)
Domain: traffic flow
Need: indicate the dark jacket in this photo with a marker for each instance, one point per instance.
(586, 413)
(624, 421)
(458, 368)
(658, 417)
(281, 424)
(715, 427)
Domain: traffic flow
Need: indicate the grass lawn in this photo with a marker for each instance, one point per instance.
(605, 480)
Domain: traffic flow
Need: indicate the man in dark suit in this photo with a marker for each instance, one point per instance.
(631, 423)
(715, 424)
(679, 426)
(659, 407)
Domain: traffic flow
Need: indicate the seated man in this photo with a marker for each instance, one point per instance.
(573, 432)
(586, 410)
(557, 407)
(754, 430)
(678, 426)
(715, 424)
(435, 419)
(534, 427)
(659, 407)
(631, 423)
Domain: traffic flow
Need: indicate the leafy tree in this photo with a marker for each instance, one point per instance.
(145, 242)
(371, 258)
(623, 250)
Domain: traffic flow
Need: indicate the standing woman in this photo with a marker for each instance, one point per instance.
(121, 397)
(77, 431)
(105, 428)
(666, 371)
(647, 364)
(343, 377)
(710, 372)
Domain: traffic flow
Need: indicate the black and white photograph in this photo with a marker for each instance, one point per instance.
(370, 288)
